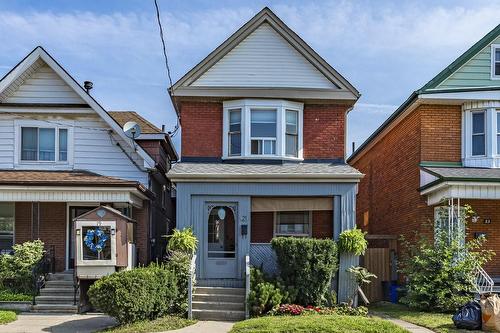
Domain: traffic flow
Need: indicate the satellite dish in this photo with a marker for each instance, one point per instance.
(132, 129)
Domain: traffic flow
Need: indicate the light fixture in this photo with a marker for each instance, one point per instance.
(221, 213)
(101, 213)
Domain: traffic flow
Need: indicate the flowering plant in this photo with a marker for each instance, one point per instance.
(289, 309)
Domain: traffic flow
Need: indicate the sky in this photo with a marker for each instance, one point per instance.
(386, 49)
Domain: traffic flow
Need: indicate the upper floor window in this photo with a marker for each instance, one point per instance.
(263, 129)
(495, 61)
(478, 134)
(44, 144)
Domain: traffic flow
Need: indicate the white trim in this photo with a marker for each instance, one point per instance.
(461, 96)
(494, 47)
(80, 262)
(45, 110)
(266, 178)
(246, 106)
(462, 189)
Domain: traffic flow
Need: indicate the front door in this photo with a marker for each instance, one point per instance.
(73, 213)
(221, 240)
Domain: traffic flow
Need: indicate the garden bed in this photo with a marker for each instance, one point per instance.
(316, 323)
(166, 323)
(438, 322)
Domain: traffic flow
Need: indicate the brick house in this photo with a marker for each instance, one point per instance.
(439, 149)
(263, 136)
(62, 155)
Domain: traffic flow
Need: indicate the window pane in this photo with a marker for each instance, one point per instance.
(478, 145)
(6, 226)
(255, 147)
(478, 122)
(292, 223)
(29, 143)
(291, 145)
(498, 144)
(47, 145)
(63, 145)
(291, 121)
(269, 147)
(497, 68)
(497, 54)
(263, 123)
(235, 144)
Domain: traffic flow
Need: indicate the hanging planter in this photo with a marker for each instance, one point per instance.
(352, 241)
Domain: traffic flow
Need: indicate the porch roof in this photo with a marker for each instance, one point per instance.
(439, 183)
(189, 171)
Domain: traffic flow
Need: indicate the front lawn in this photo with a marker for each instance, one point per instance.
(316, 323)
(438, 322)
(7, 316)
(166, 323)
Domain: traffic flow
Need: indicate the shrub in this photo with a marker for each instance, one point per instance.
(16, 269)
(297, 310)
(179, 263)
(352, 241)
(138, 294)
(264, 295)
(441, 273)
(182, 241)
(308, 265)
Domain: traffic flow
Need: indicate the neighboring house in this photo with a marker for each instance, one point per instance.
(263, 134)
(62, 155)
(440, 148)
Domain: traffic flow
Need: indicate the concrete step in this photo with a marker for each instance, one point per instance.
(59, 300)
(227, 306)
(57, 291)
(218, 298)
(218, 315)
(60, 276)
(220, 291)
(54, 308)
(59, 283)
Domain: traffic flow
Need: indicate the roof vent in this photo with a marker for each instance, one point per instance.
(88, 85)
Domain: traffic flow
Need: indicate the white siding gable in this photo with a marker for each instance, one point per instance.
(41, 84)
(264, 59)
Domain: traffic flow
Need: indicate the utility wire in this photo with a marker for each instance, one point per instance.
(167, 66)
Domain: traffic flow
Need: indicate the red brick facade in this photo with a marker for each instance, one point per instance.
(324, 130)
(388, 200)
(141, 216)
(263, 223)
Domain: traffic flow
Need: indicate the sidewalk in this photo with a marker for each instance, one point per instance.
(206, 327)
(404, 324)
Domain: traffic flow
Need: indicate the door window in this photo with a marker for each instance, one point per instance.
(221, 233)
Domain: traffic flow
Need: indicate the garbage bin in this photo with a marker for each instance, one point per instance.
(394, 292)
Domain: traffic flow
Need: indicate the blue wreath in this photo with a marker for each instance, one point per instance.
(101, 240)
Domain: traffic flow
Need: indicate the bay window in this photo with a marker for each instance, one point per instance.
(43, 144)
(478, 134)
(270, 129)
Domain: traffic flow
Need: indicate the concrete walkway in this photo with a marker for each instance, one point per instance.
(206, 327)
(404, 324)
(58, 323)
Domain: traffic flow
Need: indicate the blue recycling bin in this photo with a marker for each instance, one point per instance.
(394, 293)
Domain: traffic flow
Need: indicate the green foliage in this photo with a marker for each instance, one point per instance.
(138, 294)
(441, 272)
(16, 269)
(179, 263)
(182, 241)
(352, 241)
(361, 276)
(265, 294)
(308, 265)
(7, 316)
(7, 295)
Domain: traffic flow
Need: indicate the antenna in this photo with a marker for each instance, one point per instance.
(132, 129)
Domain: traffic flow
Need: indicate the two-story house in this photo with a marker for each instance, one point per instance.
(62, 155)
(263, 121)
(439, 149)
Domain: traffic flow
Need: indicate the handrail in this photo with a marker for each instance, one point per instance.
(40, 271)
(247, 285)
(192, 271)
(483, 282)
(76, 287)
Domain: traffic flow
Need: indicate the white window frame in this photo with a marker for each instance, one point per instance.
(484, 133)
(494, 47)
(67, 125)
(276, 221)
(246, 105)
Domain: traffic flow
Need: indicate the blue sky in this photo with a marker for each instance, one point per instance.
(386, 49)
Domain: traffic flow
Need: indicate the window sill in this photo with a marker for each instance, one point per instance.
(263, 157)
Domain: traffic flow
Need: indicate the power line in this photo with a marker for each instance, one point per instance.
(167, 66)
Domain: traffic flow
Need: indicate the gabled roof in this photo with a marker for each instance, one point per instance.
(122, 117)
(343, 89)
(430, 86)
(40, 53)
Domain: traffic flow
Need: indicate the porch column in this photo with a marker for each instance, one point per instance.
(344, 218)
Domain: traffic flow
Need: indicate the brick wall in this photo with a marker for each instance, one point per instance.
(324, 129)
(262, 225)
(141, 216)
(201, 129)
(52, 230)
(22, 228)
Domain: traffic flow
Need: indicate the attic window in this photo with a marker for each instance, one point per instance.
(495, 61)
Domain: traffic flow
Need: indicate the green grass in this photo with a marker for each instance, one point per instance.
(7, 316)
(166, 323)
(10, 296)
(316, 323)
(438, 322)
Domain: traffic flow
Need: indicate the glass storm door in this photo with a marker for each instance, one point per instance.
(221, 241)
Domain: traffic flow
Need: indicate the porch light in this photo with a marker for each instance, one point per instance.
(78, 231)
(221, 213)
(113, 231)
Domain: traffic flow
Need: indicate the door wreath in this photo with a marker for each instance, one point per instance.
(90, 237)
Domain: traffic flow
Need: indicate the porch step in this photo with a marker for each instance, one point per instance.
(59, 300)
(63, 276)
(57, 291)
(59, 283)
(219, 303)
(54, 308)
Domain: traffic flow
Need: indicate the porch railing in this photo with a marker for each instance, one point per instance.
(41, 269)
(484, 283)
(192, 272)
(247, 285)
